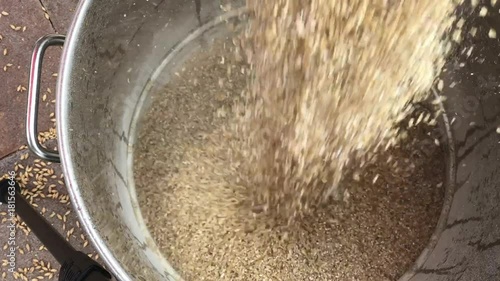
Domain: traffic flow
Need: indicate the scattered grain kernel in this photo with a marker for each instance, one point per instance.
(440, 85)
(492, 33)
(483, 11)
(457, 36)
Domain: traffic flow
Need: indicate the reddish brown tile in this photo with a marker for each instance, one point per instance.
(60, 13)
(21, 24)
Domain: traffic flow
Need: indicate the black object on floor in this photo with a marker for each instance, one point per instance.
(75, 265)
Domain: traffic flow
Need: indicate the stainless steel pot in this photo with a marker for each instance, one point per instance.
(118, 51)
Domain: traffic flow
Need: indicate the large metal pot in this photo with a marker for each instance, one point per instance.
(117, 51)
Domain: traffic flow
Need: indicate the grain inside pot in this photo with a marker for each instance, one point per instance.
(202, 217)
(311, 162)
(329, 82)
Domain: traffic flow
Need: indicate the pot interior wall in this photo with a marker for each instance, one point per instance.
(117, 46)
(111, 56)
(467, 244)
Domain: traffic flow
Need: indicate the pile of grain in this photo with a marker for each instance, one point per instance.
(201, 216)
(331, 78)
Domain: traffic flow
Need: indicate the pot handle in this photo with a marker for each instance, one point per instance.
(33, 96)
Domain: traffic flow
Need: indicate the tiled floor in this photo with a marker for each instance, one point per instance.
(22, 22)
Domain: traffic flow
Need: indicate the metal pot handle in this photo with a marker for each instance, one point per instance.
(33, 96)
